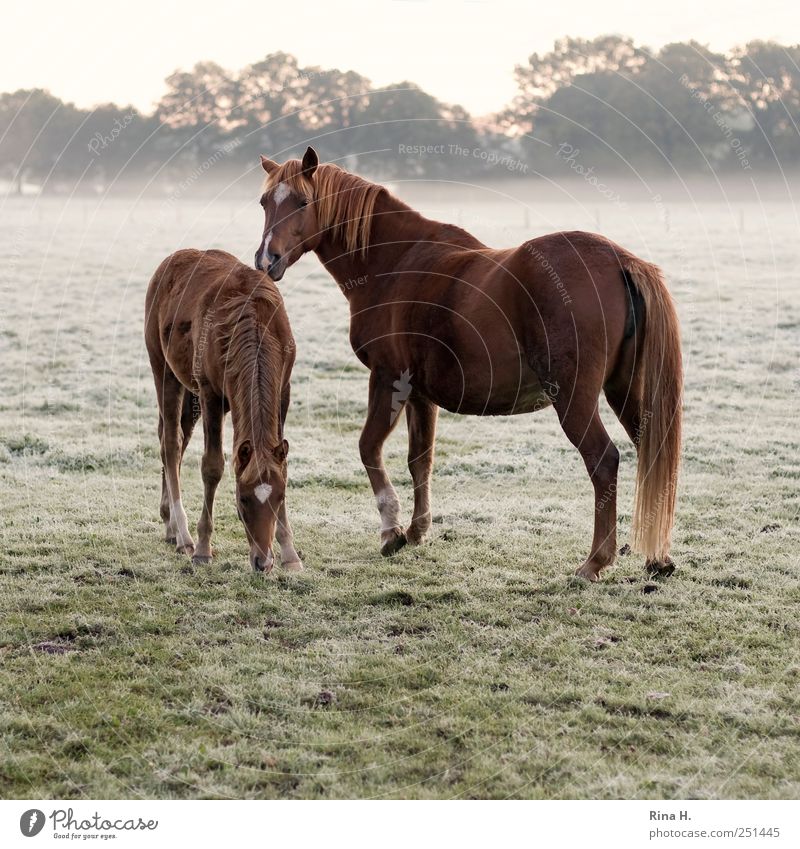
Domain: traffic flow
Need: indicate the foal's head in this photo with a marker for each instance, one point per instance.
(290, 214)
(260, 491)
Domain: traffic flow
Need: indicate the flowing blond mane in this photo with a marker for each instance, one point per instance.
(345, 202)
(253, 372)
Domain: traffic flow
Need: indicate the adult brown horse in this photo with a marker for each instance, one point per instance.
(219, 339)
(491, 332)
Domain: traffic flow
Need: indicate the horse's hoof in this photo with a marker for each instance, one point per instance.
(186, 549)
(395, 541)
(415, 536)
(660, 568)
(199, 559)
(292, 566)
(589, 571)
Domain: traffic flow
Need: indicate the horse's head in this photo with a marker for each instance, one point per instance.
(260, 492)
(290, 217)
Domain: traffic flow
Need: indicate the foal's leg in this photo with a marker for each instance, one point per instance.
(171, 451)
(584, 429)
(189, 415)
(169, 529)
(421, 416)
(212, 467)
(290, 559)
(381, 419)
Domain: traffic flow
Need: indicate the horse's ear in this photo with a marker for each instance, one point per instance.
(243, 454)
(310, 162)
(269, 166)
(281, 451)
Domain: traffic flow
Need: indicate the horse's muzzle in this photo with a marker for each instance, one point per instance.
(262, 562)
(275, 266)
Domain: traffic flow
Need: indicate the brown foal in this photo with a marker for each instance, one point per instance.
(441, 320)
(219, 339)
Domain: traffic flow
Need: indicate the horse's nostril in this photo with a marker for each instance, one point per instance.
(262, 564)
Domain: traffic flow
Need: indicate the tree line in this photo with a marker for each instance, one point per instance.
(604, 103)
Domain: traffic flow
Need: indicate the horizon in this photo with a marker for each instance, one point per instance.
(409, 46)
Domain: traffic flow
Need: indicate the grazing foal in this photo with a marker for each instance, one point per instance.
(219, 339)
(450, 322)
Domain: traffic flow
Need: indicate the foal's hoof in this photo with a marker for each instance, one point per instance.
(590, 571)
(415, 536)
(187, 549)
(660, 568)
(392, 541)
(201, 560)
(292, 566)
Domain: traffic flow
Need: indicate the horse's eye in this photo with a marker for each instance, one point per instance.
(303, 203)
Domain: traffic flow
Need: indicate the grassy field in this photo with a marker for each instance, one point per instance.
(475, 666)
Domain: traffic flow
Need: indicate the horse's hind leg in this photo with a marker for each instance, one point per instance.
(169, 530)
(172, 393)
(624, 399)
(583, 427)
(382, 414)
(421, 415)
(189, 415)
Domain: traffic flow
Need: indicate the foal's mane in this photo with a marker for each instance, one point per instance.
(345, 202)
(253, 371)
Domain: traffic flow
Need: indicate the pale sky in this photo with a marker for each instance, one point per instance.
(461, 51)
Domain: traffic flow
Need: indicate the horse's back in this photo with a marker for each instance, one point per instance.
(189, 294)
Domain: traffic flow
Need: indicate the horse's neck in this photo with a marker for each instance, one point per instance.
(396, 229)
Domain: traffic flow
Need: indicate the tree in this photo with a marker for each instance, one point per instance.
(35, 126)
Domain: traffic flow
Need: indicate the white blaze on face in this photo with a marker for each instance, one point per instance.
(262, 492)
(281, 193)
(279, 196)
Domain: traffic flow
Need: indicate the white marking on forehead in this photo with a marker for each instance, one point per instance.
(262, 492)
(281, 193)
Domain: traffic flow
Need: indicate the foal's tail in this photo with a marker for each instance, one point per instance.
(659, 377)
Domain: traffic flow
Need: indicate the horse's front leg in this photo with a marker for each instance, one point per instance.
(290, 559)
(212, 467)
(382, 414)
(421, 415)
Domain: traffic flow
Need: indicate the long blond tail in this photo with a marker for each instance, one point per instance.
(659, 373)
